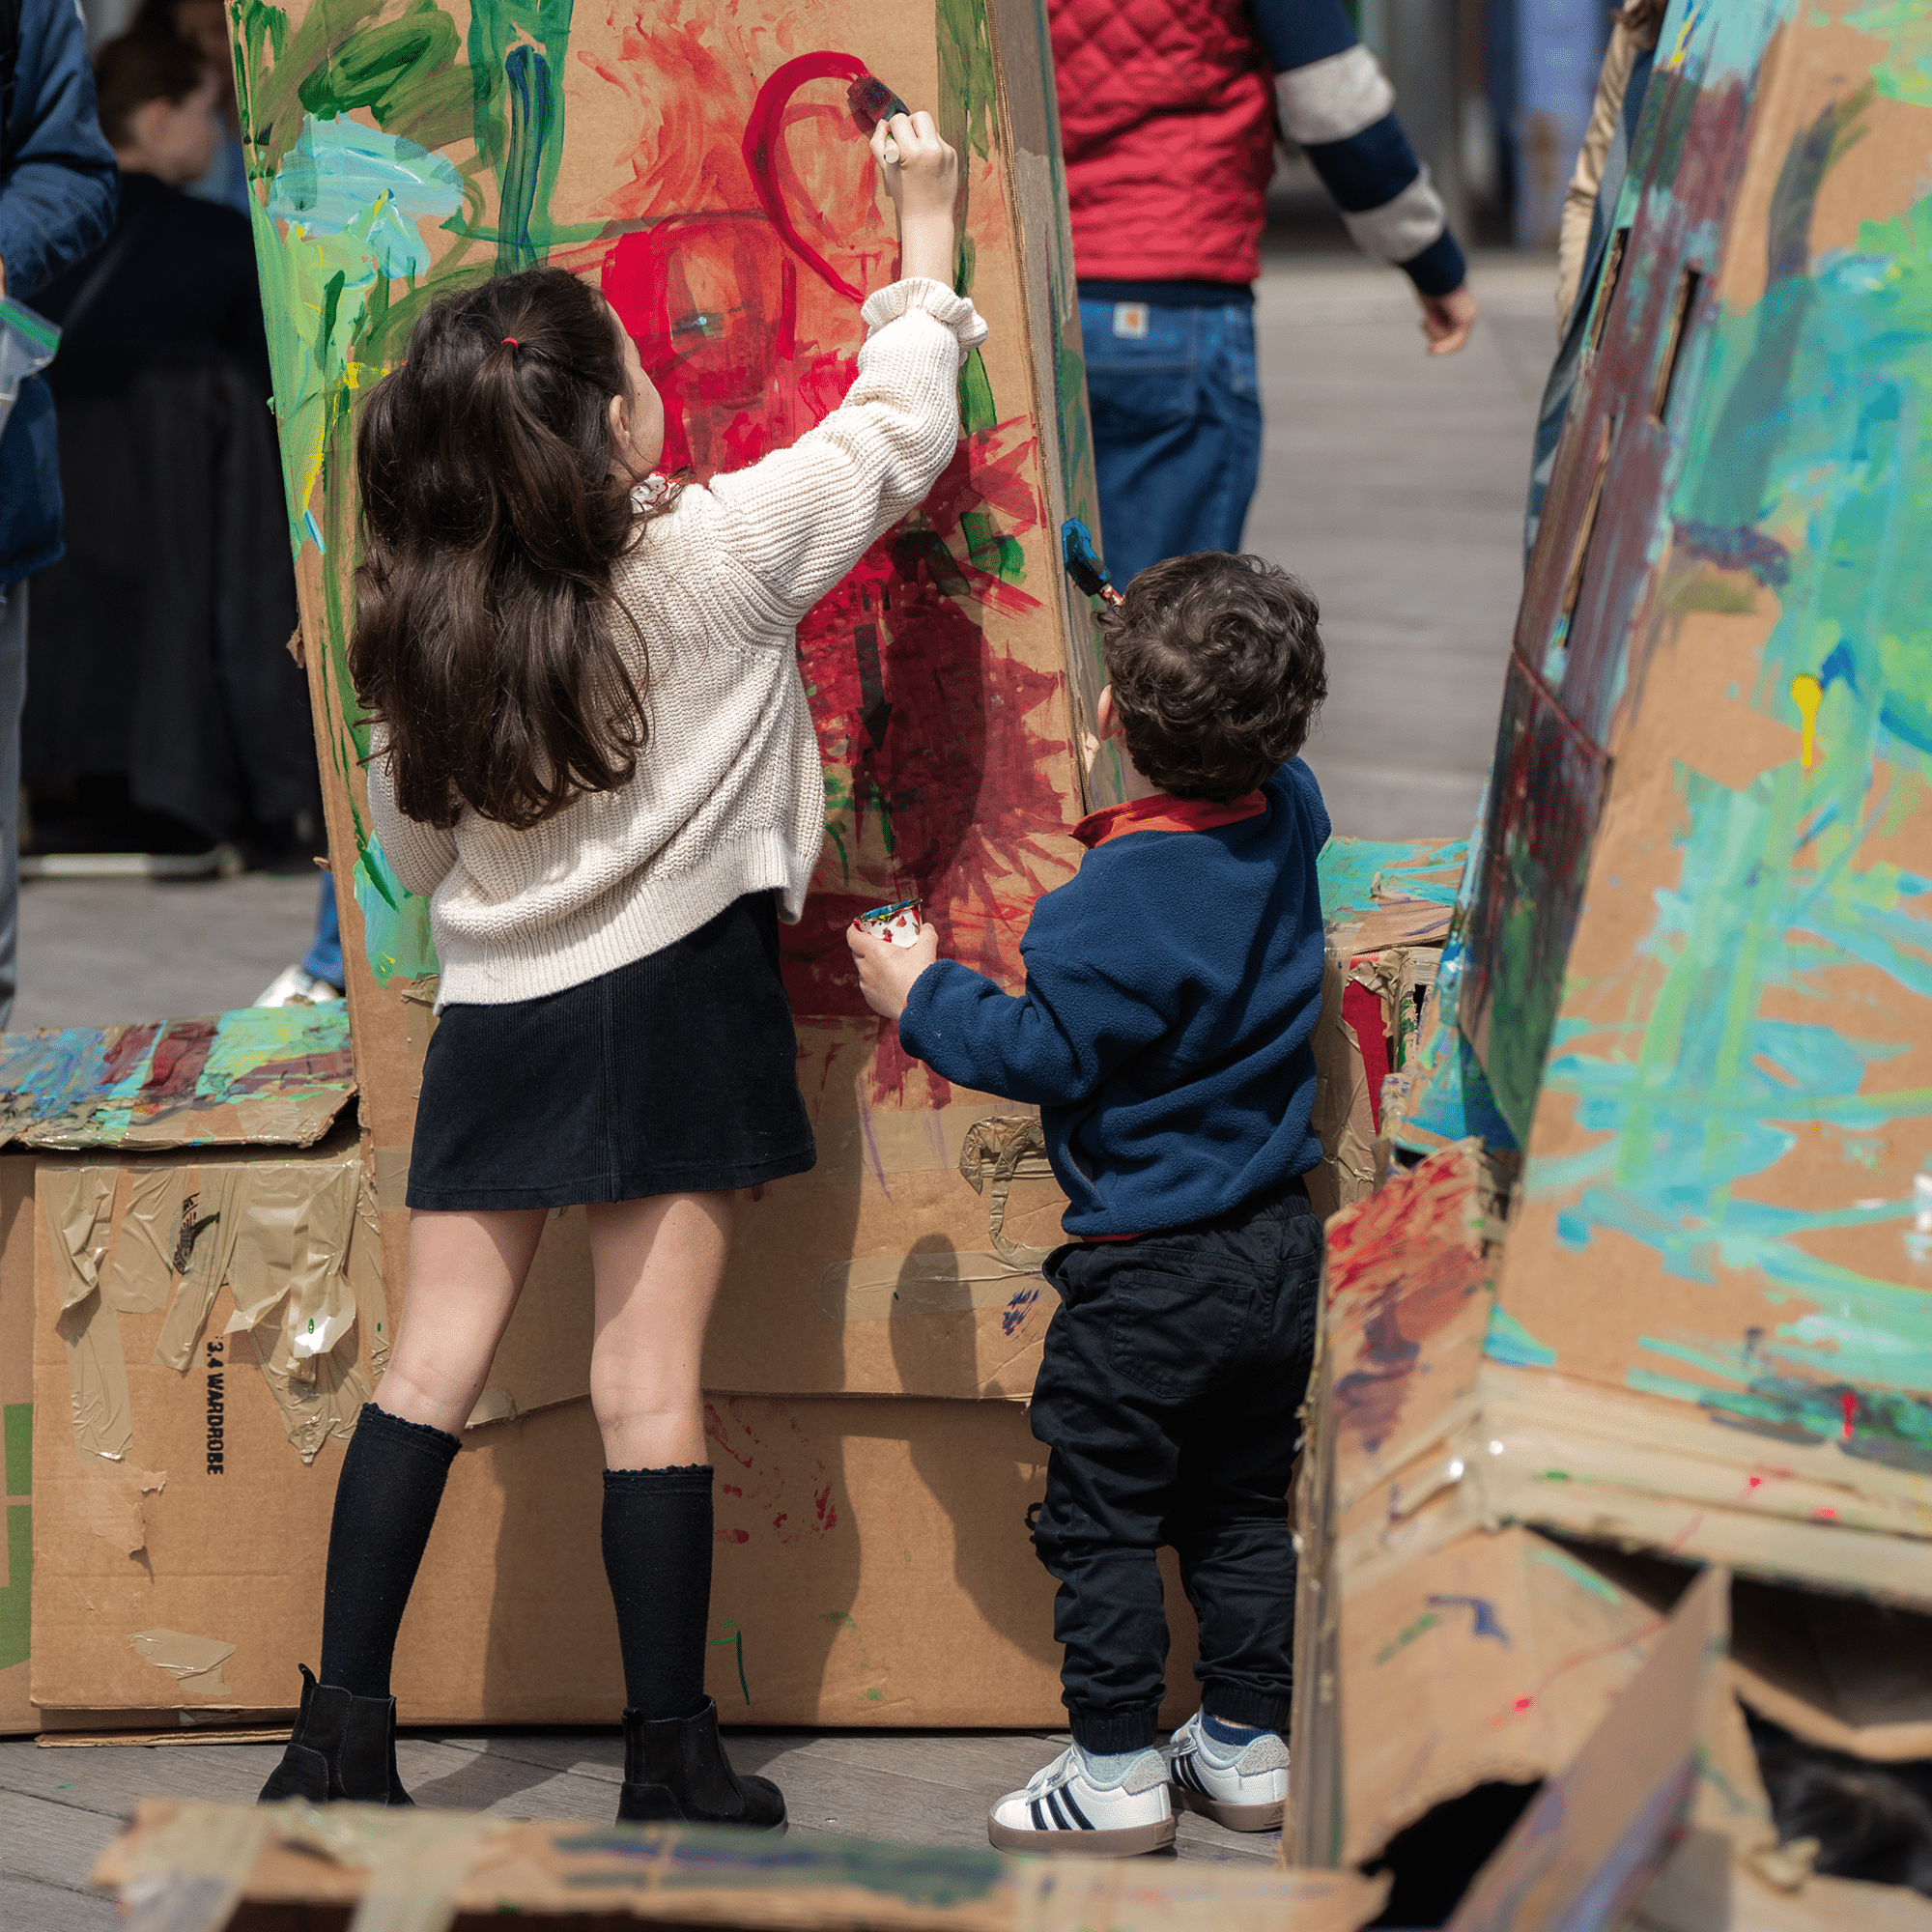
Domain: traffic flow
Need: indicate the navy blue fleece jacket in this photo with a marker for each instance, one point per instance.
(1172, 987)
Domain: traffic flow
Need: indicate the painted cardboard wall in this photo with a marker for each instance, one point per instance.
(873, 1565)
(701, 167)
(1726, 1192)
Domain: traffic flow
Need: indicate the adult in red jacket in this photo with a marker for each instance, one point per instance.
(1169, 111)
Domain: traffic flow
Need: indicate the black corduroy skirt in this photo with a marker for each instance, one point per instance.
(675, 1074)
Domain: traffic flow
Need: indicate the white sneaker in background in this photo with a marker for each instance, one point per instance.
(1063, 1810)
(293, 988)
(1242, 1787)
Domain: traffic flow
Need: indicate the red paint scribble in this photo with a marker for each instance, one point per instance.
(1638, 1640)
(126, 1053)
(761, 135)
(1402, 1267)
(1848, 1403)
(180, 1055)
(945, 781)
(827, 1516)
(733, 1536)
(1523, 1704)
(781, 1470)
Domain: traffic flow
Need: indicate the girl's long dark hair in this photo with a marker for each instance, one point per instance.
(491, 521)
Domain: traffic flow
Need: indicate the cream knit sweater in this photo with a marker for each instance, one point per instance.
(728, 797)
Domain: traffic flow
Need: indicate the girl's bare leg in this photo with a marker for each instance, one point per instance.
(466, 1271)
(658, 1263)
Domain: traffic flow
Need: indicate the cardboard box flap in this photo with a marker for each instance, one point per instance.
(448, 1864)
(265, 1074)
(1361, 876)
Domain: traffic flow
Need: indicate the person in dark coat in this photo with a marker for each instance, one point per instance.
(159, 678)
(56, 203)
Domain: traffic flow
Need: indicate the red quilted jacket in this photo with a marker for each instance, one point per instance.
(1168, 122)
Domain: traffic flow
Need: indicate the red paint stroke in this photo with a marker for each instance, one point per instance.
(180, 1055)
(1402, 1267)
(1362, 1010)
(761, 133)
(126, 1053)
(1641, 1636)
(1848, 1403)
(733, 1536)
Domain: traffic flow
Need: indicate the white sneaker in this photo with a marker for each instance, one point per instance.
(1062, 1809)
(293, 988)
(1245, 1791)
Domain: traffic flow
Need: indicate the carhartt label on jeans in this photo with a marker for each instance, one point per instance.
(1130, 319)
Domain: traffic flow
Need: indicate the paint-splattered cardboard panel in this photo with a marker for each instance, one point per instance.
(288, 1866)
(263, 1075)
(873, 1568)
(17, 1438)
(705, 170)
(1491, 1659)
(1726, 1190)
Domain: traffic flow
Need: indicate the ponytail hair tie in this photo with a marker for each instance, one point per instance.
(512, 342)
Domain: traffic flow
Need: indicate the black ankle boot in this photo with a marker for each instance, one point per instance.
(675, 1770)
(343, 1748)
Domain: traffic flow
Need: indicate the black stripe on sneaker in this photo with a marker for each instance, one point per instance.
(1058, 1816)
(1184, 1772)
(1080, 1817)
(1039, 1823)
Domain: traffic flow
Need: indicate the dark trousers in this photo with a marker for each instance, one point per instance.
(1168, 1394)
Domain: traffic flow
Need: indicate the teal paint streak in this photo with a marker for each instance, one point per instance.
(341, 175)
(1450, 1095)
(1348, 867)
(396, 921)
(1509, 1342)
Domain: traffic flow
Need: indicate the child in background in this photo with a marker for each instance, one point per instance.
(593, 752)
(1172, 987)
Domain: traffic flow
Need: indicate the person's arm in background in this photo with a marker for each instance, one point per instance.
(1338, 106)
(59, 184)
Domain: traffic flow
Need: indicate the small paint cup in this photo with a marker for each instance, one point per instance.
(898, 923)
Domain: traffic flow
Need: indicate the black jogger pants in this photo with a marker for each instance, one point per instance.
(1168, 1394)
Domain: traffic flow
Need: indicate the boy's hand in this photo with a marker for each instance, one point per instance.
(886, 971)
(923, 177)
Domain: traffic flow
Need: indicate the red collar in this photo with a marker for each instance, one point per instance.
(1162, 814)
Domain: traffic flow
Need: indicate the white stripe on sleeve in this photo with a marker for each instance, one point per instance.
(1400, 230)
(1331, 99)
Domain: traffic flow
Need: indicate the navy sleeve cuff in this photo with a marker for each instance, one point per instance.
(1438, 269)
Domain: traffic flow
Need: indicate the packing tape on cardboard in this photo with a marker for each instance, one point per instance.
(194, 1662)
(187, 1873)
(113, 1502)
(78, 1202)
(145, 1236)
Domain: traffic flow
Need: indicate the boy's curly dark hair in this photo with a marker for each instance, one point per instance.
(1217, 672)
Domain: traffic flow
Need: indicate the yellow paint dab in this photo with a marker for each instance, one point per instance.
(1807, 693)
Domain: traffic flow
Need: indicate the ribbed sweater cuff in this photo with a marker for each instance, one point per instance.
(916, 294)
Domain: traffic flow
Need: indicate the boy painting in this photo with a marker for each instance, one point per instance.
(1172, 987)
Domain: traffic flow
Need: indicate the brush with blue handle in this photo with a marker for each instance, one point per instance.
(1090, 575)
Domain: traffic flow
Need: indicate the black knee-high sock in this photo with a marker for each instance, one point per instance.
(657, 1553)
(386, 1497)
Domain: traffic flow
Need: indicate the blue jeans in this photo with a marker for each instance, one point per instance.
(1177, 428)
(323, 957)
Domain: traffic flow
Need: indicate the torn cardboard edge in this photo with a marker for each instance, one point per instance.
(438, 1866)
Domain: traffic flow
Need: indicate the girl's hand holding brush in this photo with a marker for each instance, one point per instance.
(922, 174)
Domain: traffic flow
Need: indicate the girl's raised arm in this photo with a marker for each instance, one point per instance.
(805, 515)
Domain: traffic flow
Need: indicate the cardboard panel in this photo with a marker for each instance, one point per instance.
(16, 1436)
(277, 1074)
(873, 1561)
(1725, 1183)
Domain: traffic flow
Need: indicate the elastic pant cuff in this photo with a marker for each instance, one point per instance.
(680, 1479)
(1105, 1733)
(1237, 1704)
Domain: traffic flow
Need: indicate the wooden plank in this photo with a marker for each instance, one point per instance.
(34, 1906)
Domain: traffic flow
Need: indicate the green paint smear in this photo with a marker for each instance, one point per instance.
(16, 1638)
(1509, 1341)
(395, 923)
(1579, 1573)
(1696, 1102)
(19, 1424)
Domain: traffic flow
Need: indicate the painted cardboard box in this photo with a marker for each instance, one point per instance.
(1699, 947)
(192, 1392)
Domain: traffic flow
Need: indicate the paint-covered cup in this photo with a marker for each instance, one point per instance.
(898, 923)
